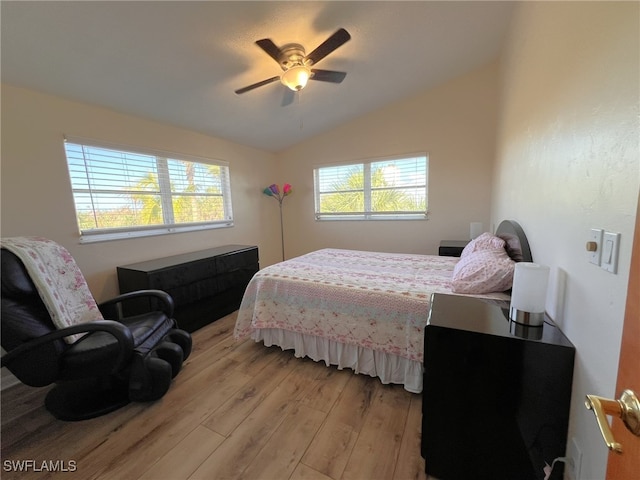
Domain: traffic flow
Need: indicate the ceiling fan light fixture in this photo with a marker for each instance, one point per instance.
(296, 77)
(296, 65)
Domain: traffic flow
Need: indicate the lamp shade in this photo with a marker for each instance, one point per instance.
(529, 293)
(296, 77)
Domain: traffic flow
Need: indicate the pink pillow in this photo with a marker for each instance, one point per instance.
(485, 241)
(484, 271)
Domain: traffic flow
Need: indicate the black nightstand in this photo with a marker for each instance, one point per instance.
(452, 248)
(495, 398)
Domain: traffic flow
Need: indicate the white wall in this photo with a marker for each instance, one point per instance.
(36, 193)
(568, 160)
(455, 123)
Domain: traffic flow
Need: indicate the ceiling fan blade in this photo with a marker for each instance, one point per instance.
(256, 85)
(271, 48)
(336, 40)
(327, 75)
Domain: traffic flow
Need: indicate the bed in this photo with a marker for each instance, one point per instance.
(365, 311)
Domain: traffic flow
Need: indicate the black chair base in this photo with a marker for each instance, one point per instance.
(82, 400)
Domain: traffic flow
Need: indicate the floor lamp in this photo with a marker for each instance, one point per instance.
(274, 191)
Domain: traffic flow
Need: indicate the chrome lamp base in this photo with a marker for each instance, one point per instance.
(531, 319)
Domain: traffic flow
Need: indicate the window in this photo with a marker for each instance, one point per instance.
(120, 193)
(382, 189)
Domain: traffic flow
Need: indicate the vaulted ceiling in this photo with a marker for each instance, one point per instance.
(180, 62)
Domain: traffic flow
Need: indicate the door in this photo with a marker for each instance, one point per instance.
(625, 466)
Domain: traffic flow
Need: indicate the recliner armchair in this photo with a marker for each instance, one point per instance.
(117, 361)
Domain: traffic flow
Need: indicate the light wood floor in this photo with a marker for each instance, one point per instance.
(236, 410)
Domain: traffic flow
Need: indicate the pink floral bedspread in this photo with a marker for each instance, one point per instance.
(375, 300)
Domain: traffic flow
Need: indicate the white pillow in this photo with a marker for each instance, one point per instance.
(485, 241)
(484, 271)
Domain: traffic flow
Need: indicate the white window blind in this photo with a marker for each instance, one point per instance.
(390, 189)
(119, 192)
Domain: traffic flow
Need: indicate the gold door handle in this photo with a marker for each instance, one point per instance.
(627, 407)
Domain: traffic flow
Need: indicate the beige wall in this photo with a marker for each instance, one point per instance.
(36, 194)
(454, 123)
(569, 161)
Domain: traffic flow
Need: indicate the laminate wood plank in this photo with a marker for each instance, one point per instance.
(327, 387)
(205, 357)
(251, 355)
(279, 457)
(69, 442)
(389, 409)
(28, 415)
(211, 335)
(233, 412)
(183, 459)
(212, 343)
(22, 399)
(331, 448)
(159, 428)
(231, 459)
(354, 402)
(410, 464)
(376, 451)
(373, 458)
(139, 427)
(303, 472)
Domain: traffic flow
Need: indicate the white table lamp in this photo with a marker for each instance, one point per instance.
(529, 294)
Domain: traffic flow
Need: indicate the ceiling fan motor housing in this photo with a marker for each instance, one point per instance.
(291, 55)
(296, 72)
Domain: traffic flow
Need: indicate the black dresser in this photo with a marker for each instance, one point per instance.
(496, 395)
(205, 285)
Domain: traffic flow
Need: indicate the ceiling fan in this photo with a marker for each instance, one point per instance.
(296, 65)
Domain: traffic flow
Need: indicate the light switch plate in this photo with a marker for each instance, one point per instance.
(610, 249)
(595, 235)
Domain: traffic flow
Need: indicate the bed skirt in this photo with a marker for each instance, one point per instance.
(387, 367)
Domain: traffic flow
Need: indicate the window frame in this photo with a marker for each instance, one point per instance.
(368, 214)
(168, 226)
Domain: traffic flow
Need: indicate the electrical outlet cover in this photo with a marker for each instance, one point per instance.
(572, 468)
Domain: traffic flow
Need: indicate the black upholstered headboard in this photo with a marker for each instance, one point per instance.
(517, 243)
